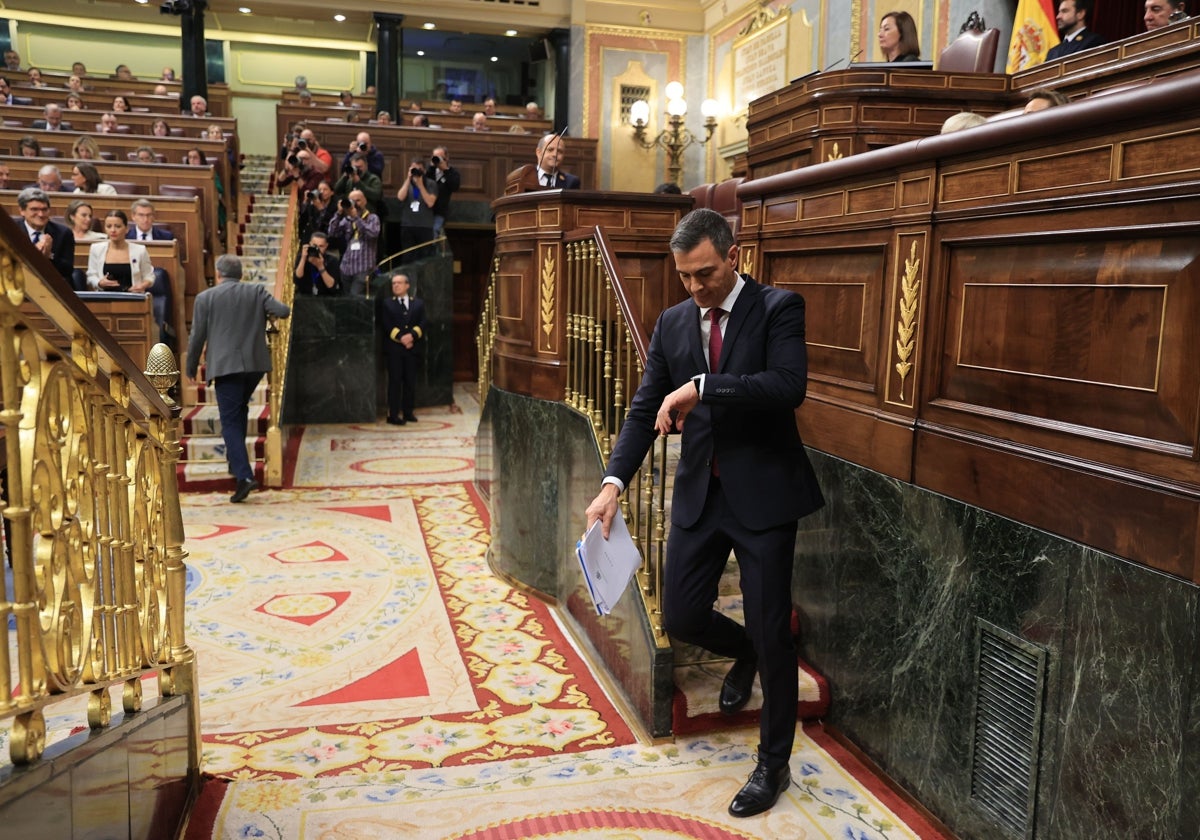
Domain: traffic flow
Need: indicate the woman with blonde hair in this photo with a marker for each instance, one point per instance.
(85, 148)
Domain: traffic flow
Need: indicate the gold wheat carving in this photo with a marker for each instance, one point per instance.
(906, 327)
(548, 284)
(836, 154)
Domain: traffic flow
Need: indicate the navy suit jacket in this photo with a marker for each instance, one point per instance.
(390, 319)
(1085, 39)
(746, 417)
(62, 252)
(155, 234)
(565, 181)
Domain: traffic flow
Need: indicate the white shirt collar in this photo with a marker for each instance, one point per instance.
(730, 299)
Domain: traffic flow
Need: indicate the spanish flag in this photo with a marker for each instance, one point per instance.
(1034, 33)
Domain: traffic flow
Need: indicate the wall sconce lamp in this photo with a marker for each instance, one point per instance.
(676, 137)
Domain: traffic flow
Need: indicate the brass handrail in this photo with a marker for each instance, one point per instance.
(92, 508)
(279, 336)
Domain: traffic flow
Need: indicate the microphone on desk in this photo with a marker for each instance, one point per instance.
(558, 136)
(840, 60)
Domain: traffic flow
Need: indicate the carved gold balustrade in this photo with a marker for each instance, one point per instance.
(92, 511)
(606, 351)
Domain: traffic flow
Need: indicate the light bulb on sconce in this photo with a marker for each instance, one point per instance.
(676, 137)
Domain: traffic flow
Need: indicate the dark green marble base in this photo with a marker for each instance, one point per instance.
(889, 582)
(336, 370)
(538, 465)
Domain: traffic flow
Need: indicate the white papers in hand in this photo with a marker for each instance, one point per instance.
(608, 564)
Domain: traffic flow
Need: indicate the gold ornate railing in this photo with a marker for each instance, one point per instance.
(279, 337)
(606, 352)
(92, 510)
(485, 333)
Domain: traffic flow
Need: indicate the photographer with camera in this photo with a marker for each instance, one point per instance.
(318, 272)
(417, 196)
(359, 227)
(316, 212)
(448, 181)
(356, 177)
(321, 159)
(363, 145)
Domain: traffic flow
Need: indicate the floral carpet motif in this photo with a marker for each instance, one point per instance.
(373, 638)
(663, 792)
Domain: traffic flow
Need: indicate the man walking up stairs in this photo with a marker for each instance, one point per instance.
(260, 242)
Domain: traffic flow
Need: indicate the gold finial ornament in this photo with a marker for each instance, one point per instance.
(161, 370)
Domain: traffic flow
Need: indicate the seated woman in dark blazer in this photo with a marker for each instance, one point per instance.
(898, 37)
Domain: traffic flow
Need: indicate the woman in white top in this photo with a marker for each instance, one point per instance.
(107, 260)
(86, 178)
(79, 214)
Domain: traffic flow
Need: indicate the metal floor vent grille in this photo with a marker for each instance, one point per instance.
(1010, 676)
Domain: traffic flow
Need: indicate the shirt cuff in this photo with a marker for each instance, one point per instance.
(612, 479)
(698, 381)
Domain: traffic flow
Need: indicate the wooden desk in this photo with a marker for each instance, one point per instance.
(164, 254)
(1011, 307)
(847, 112)
(530, 348)
(317, 115)
(128, 318)
(181, 216)
(23, 170)
(482, 158)
(219, 97)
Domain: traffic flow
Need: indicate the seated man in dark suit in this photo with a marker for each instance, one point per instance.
(545, 174)
(54, 241)
(52, 119)
(143, 229)
(1073, 17)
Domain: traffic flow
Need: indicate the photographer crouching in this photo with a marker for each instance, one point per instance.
(417, 196)
(318, 272)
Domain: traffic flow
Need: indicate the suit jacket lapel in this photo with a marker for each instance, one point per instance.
(694, 339)
(747, 301)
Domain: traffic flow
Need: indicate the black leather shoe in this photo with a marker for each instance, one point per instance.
(735, 691)
(244, 488)
(762, 791)
(410, 418)
(395, 421)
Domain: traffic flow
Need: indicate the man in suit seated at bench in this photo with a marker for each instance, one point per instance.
(52, 119)
(143, 230)
(55, 241)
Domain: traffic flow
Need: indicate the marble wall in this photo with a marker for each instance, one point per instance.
(890, 582)
(336, 371)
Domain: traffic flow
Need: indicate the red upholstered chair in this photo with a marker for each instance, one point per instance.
(726, 202)
(701, 195)
(971, 52)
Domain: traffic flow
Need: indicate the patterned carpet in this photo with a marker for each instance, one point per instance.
(363, 675)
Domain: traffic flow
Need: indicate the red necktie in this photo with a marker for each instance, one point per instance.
(714, 340)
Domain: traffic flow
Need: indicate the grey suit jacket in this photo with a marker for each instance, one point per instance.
(231, 319)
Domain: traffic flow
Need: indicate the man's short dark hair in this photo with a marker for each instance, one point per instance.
(1086, 7)
(668, 188)
(358, 156)
(32, 194)
(318, 233)
(1052, 96)
(698, 226)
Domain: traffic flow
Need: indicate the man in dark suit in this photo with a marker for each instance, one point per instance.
(1073, 18)
(51, 119)
(54, 241)
(546, 174)
(727, 369)
(402, 324)
(229, 326)
(143, 230)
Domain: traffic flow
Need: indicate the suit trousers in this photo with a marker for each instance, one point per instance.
(401, 381)
(696, 559)
(233, 402)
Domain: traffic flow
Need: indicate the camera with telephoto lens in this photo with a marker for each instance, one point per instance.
(362, 147)
(437, 161)
(301, 144)
(416, 172)
(293, 160)
(313, 195)
(344, 203)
